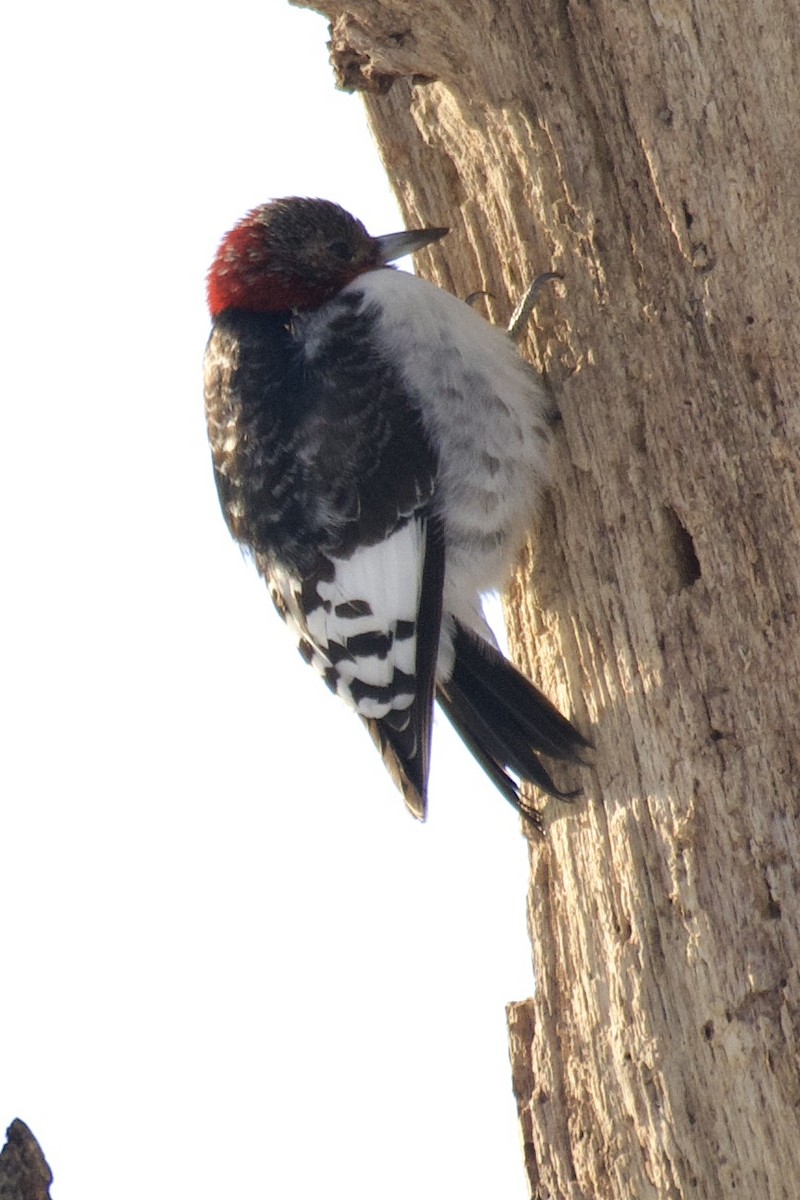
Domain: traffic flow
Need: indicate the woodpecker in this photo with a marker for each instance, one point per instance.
(380, 450)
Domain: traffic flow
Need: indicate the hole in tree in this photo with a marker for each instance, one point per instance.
(686, 565)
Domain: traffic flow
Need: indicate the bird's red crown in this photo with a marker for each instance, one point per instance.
(294, 254)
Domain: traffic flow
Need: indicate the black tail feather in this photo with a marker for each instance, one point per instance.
(505, 721)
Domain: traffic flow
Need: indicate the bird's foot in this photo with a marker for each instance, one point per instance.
(521, 314)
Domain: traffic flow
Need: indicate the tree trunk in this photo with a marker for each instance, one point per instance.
(648, 150)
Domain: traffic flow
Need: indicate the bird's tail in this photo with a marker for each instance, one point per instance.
(506, 722)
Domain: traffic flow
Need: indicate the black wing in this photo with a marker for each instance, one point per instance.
(325, 474)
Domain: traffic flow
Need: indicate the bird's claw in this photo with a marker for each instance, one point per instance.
(471, 299)
(521, 314)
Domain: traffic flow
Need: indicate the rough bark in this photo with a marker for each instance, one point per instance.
(648, 150)
(24, 1174)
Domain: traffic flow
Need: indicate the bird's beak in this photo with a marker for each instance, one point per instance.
(395, 245)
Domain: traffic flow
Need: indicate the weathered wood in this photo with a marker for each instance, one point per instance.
(650, 152)
(24, 1174)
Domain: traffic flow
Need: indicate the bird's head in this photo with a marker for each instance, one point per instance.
(295, 254)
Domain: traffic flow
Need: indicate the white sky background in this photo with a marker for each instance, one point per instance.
(233, 965)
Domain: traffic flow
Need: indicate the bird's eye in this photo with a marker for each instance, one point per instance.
(342, 250)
